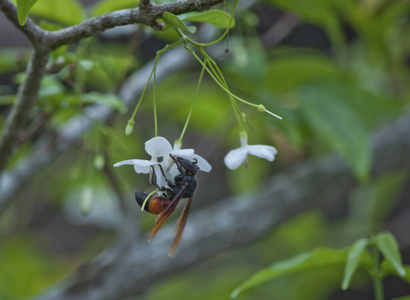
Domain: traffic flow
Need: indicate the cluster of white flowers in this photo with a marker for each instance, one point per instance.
(160, 150)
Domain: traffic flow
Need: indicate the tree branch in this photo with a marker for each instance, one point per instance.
(25, 99)
(33, 32)
(144, 4)
(122, 272)
(147, 16)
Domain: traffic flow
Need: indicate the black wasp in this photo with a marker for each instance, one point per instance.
(183, 186)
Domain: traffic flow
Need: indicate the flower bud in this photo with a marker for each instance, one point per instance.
(130, 127)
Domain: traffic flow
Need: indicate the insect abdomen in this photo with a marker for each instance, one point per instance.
(154, 205)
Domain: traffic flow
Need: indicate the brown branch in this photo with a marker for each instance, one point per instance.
(33, 32)
(147, 16)
(128, 271)
(26, 97)
(144, 4)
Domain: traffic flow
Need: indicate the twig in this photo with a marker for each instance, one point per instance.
(33, 32)
(148, 16)
(144, 4)
(26, 97)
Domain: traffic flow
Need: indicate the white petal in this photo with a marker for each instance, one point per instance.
(177, 151)
(140, 165)
(158, 146)
(172, 172)
(235, 158)
(202, 164)
(125, 162)
(160, 178)
(263, 151)
(182, 152)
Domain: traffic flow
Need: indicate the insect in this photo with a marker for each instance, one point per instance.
(183, 186)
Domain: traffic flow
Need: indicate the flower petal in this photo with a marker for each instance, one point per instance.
(124, 162)
(235, 158)
(173, 171)
(202, 164)
(158, 146)
(161, 181)
(140, 165)
(182, 152)
(263, 151)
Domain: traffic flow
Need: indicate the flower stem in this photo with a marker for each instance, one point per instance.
(159, 53)
(377, 276)
(378, 288)
(196, 44)
(218, 74)
(154, 98)
(146, 199)
(192, 105)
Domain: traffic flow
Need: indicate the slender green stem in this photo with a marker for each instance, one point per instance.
(218, 74)
(142, 94)
(159, 53)
(192, 105)
(378, 288)
(196, 44)
(377, 276)
(220, 84)
(218, 71)
(209, 61)
(146, 199)
(155, 100)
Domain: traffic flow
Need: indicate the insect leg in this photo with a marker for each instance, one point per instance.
(180, 169)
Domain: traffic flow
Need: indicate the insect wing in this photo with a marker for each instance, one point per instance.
(179, 228)
(163, 217)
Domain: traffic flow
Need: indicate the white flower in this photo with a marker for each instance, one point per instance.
(156, 147)
(159, 147)
(189, 154)
(236, 157)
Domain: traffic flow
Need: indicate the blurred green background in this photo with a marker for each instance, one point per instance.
(335, 70)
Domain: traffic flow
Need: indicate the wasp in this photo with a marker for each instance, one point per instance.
(183, 186)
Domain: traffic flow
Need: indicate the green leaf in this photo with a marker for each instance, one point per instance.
(291, 69)
(372, 203)
(389, 247)
(23, 7)
(12, 60)
(319, 258)
(389, 269)
(172, 21)
(50, 26)
(353, 260)
(106, 6)
(67, 12)
(7, 100)
(216, 17)
(110, 100)
(331, 119)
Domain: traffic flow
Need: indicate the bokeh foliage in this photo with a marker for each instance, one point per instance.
(331, 96)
